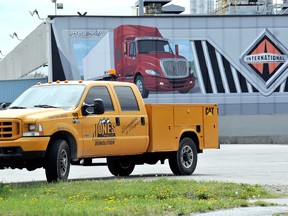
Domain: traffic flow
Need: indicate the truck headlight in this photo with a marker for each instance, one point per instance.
(152, 72)
(33, 130)
(32, 127)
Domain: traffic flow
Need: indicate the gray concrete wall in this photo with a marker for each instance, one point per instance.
(258, 129)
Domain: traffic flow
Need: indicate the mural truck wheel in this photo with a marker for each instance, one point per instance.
(140, 85)
(184, 161)
(120, 167)
(57, 161)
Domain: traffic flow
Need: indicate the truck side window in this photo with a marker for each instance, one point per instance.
(132, 51)
(102, 93)
(126, 98)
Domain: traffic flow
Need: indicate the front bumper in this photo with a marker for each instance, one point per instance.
(23, 149)
(161, 84)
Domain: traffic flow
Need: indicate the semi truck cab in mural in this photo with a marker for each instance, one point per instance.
(54, 124)
(144, 57)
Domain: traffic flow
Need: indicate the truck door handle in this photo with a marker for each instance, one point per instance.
(117, 119)
(142, 121)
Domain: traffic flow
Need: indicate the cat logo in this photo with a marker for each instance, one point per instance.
(209, 111)
(266, 62)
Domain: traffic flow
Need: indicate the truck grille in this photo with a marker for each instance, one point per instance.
(175, 68)
(9, 130)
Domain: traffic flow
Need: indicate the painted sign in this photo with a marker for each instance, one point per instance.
(236, 62)
(266, 60)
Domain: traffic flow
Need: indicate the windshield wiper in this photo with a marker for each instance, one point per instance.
(16, 107)
(45, 106)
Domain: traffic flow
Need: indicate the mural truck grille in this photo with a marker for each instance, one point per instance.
(175, 69)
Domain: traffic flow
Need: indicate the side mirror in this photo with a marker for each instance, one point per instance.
(96, 108)
(87, 109)
(3, 106)
(99, 106)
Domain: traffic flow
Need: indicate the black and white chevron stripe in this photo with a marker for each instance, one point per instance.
(217, 75)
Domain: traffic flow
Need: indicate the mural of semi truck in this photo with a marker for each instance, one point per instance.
(240, 63)
(139, 54)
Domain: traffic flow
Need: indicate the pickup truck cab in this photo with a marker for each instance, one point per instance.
(51, 125)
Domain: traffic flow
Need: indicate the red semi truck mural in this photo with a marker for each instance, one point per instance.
(142, 56)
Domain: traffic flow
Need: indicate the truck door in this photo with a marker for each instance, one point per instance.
(132, 121)
(130, 62)
(99, 132)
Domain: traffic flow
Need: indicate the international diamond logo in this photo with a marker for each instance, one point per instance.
(266, 62)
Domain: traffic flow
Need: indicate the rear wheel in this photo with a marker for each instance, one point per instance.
(140, 85)
(120, 167)
(184, 161)
(57, 161)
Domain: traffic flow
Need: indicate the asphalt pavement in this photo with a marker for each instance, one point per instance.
(254, 164)
(265, 164)
(250, 211)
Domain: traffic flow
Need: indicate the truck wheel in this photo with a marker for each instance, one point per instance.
(120, 167)
(57, 161)
(184, 161)
(140, 85)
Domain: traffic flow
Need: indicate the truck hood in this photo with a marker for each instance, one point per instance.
(32, 114)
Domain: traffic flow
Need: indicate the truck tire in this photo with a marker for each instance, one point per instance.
(184, 161)
(120, 167)
(57, 161)
(140, 85)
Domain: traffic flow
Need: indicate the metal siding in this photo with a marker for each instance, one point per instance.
(11, 89)
(27, 56)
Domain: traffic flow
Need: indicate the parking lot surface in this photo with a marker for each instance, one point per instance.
(253, 164)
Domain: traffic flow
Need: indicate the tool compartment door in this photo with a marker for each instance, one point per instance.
(210, 122)
(161, 128)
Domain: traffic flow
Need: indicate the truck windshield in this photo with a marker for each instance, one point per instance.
(50, 96)
(146, 46)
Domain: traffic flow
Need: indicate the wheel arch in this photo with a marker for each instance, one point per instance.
(136, 75)
(70, 140)
(192, 135)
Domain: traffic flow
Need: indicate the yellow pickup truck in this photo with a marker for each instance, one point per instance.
(54, 124)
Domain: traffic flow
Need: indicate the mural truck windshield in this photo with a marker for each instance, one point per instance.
(146, 46)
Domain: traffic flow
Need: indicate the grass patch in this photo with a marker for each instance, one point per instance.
(263, 203)
(125, 197)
